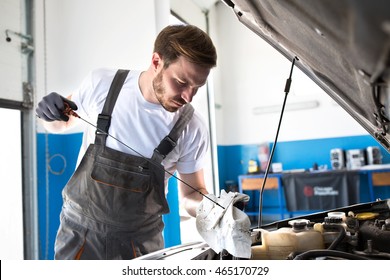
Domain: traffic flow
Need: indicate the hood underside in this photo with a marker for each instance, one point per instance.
(343, 46)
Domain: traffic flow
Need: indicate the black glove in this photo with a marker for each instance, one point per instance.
(52, 106)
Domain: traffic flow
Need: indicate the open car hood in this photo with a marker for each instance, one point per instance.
(343, 46)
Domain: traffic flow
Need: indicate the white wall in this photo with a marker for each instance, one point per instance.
(11, 57)
(189, 11)
(251, 74)
(74, 37)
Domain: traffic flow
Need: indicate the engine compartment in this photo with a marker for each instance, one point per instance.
(339, 236)
(358, 232)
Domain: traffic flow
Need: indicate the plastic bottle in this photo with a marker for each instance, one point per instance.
(278, 244)
(253, 166)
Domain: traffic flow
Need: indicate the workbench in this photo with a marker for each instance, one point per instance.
(290, 194)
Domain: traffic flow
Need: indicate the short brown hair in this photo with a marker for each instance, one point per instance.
(188, 41)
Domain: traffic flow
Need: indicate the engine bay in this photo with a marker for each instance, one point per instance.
(358, 232)
(340, 235)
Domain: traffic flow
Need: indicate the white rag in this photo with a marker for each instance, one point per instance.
(227, 228)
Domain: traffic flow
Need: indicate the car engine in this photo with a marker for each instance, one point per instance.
(352, 236)
(358, 232)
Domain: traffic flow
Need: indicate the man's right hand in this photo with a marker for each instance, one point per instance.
(52, 106)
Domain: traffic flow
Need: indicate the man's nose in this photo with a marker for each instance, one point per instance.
(188, 94)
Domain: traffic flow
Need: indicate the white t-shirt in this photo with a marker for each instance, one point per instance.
(138, 123)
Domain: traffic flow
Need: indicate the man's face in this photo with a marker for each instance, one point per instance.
(177, 85)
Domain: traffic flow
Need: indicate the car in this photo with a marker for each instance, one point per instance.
(344, 47)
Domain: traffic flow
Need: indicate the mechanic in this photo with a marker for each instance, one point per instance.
(113, 203)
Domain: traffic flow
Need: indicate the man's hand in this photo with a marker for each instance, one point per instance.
(191, 197)
(227, 228)
(52, 106)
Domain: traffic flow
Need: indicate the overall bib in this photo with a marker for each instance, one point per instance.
(114, 202)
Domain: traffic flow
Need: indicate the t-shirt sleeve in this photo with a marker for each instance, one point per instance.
(194, 146)
(90, 95)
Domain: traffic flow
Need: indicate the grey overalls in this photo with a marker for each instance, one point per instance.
(114, 201)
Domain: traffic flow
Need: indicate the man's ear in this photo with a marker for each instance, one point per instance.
(157, 61)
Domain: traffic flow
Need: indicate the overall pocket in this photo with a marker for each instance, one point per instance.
(119, 191)
(127, 177)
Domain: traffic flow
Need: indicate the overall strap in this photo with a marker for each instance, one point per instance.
(104, 118)
(169, 142)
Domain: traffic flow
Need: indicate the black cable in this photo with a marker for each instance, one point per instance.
(339, 238)
(328, 253)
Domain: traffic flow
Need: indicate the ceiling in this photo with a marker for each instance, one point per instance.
(205, 4)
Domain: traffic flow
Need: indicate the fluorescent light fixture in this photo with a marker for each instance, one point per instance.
(304, 105)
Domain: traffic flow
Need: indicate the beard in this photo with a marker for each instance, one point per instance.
(160, 93)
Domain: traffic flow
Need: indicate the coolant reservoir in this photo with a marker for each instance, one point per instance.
(277, 245)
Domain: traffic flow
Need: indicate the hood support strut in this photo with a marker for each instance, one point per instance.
(286, 90)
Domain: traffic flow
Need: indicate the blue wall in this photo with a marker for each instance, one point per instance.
(52, 176)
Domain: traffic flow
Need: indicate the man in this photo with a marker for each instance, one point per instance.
(113, 203)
